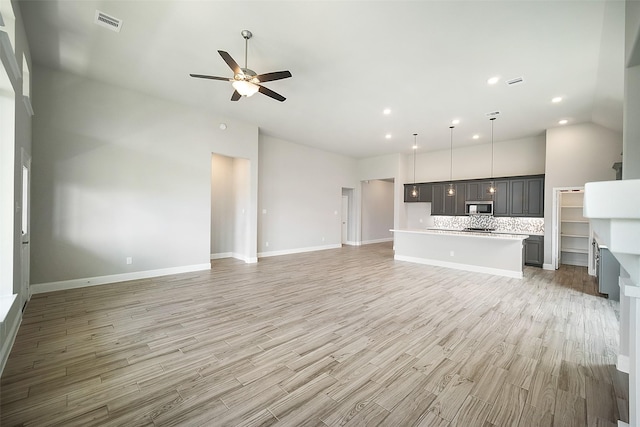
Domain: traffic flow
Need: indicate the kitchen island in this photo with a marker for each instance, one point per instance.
(493, 253)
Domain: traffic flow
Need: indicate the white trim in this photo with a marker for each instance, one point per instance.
(457, 266)
(6, 50)
(241, 257)
(352, 243)
(622, 364)
(298, 250)
(548, 267)
(39, 288)
(221, 255)
(622, 424)
(27, 104)
(6, 302)
(369, 242)
(10, 338)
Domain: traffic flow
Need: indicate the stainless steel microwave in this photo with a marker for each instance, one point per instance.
(478, 208)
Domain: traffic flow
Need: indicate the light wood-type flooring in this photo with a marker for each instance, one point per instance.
(337, 337)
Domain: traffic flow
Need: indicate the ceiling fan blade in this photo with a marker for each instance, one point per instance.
(230, 62)
(278, 75)
(265, 91)
(202, 76)
(236, 96)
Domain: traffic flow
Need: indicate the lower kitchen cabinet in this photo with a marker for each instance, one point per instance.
(534, 251)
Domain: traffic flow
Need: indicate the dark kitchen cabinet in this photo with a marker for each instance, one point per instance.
(424, 193)
(526, 197)
(408, 190)
(477, 191)
(534, 251)
(501, 198)
(437, 199)
(443, 204)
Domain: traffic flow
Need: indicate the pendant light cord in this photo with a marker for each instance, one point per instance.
(451, 156)
(415, 148)
(492, 119)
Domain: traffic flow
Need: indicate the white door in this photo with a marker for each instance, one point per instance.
(25, 253)
(345, 219)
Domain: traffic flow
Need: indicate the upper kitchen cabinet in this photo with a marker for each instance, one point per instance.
(423, 193)
(501, 198)
(443, 204)
(477, 191)
(527, 197)
(409, 193)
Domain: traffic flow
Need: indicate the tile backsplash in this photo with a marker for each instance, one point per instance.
(503, 224)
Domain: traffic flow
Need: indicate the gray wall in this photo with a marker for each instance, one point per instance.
(119, 174)
(576, 155)
(524, 156)
(300, 196)
(631, 162)
(11, 275)
(377, 210)
(222, 206)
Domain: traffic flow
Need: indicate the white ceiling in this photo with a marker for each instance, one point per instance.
(428, 61)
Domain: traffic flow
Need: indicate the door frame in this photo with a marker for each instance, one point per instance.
(25, 227)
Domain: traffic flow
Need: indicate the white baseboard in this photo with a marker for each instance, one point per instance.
(351, 243)
(10, 338)
(548, 267)
(39, 288)
(465, 267)
(622, 364)
(298, 250)
(222, 255)
(368, 242)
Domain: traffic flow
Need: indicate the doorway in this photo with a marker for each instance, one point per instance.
(571, 232)
(230, 208)
(346, 221)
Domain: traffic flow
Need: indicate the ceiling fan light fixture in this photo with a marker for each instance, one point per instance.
(245, 88)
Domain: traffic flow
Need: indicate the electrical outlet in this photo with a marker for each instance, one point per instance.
(129, 260)
(451, 253)
(266, 244)
(323, 239)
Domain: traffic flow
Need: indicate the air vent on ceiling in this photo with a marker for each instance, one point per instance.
(493, 114)
(114, 24)
(515, 81)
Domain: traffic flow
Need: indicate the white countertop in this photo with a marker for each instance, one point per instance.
(489, 235)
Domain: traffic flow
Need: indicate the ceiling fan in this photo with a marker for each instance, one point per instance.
(245, 81)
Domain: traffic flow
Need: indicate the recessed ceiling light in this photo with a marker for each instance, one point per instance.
(388, 136)
(455, 121)
(563, 122)
(556, 99)
(476, 136)
(386, 111)
(493, 80)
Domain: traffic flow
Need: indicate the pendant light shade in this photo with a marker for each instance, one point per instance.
(451, 191)
(414, 191)
(492, 188)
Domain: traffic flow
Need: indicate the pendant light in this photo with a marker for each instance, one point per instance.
(414, 191)
(451, 191)
(492, 188)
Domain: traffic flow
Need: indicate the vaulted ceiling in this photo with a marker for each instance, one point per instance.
(426, 61)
